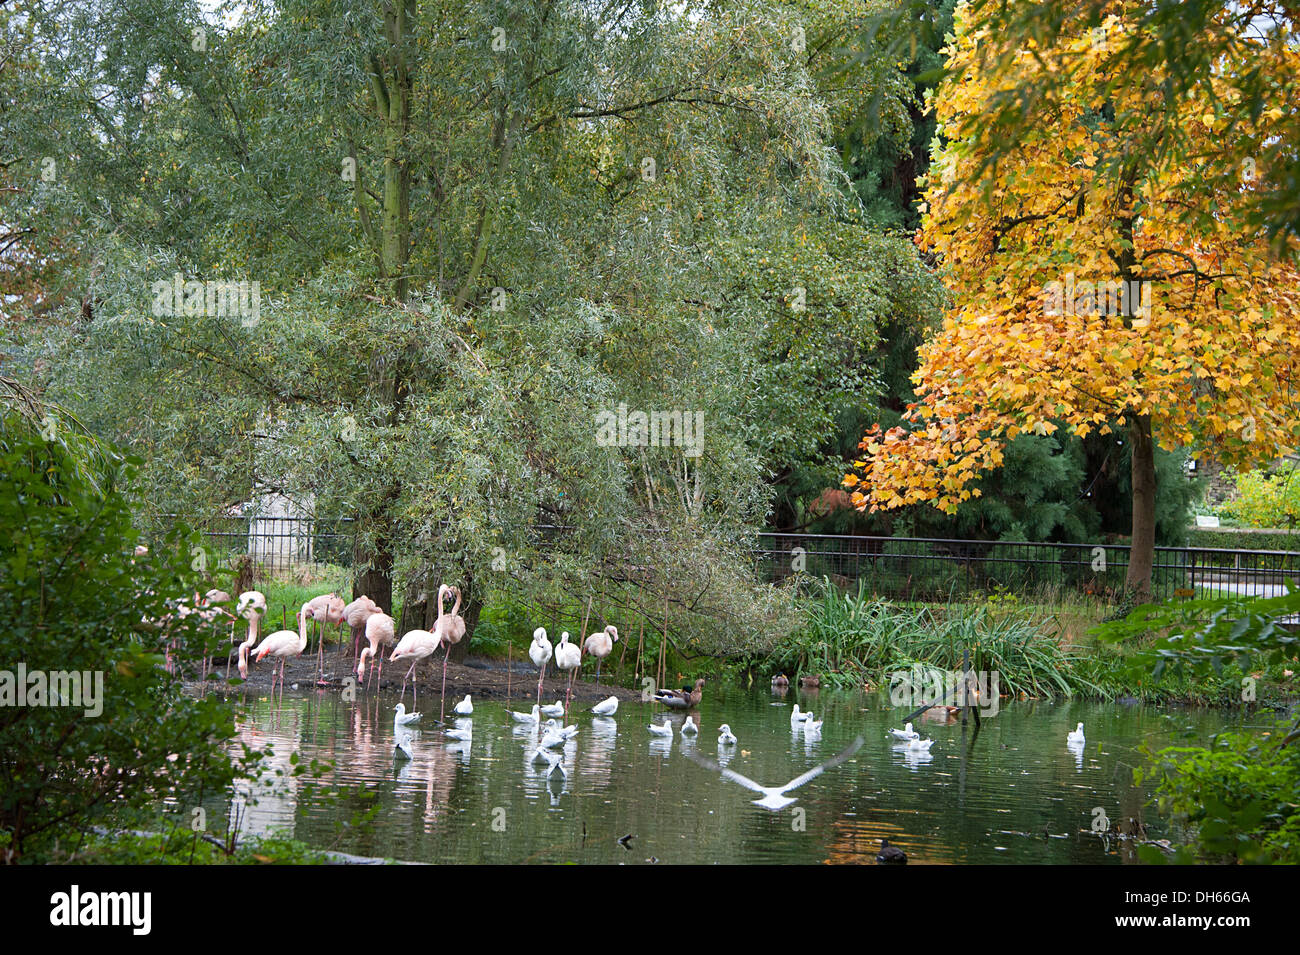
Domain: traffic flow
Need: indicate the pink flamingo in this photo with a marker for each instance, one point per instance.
(252, 604)
(379, 631)
(355, 616)
(325, 609)
(284, 644)
(600, 645)
(450, 628)
(540, 653)
(414, 645)
(568, 656)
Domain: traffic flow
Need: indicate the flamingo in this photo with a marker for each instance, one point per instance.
(325, 609)
(355, 616)
(540, 653)
(380, 629)
(600, 645)
(451, 629)
(284, 644)
(414, 645)
(568, 656)
(774, 797)
(252, 604)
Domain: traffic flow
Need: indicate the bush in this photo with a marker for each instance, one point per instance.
(74, 600)
(1265, 500)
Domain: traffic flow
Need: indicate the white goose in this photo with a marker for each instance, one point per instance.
(774, 797)
(1075, 738)
(465, 707)
(606, 707)
(725, 736)
(905, 734)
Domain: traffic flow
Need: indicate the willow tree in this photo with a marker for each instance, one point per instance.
(1091, 288)
(476, 228)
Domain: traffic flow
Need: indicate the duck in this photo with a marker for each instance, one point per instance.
(919, 745)
(661, 729)
(810, 682)
(780, 681)
(682, 699)
(1075, 738)
(606, 707)
(553, 709)
(890, 855)
(465, 707)
(689, 727)
(725, 736)
(905, 734)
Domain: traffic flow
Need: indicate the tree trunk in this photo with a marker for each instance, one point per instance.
(1142, 549)
(376, 580)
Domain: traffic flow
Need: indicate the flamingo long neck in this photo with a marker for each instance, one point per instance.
(302, 630)
(442, 610)
(455, 610)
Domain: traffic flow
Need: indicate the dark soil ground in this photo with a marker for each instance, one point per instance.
(486, 678)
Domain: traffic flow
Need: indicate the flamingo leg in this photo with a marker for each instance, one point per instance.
(442, 713)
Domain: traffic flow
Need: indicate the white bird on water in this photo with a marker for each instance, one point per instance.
(402, 717)
(797, 715)
(606, 707)
(402, 745)
(774, 797)
(725, 736)
(906, 733)
(661, 729)
(919, 745)
(465, 707)
(464, 731)
(1075, 738)
(553, 709)
(531, 717)
(689, 727)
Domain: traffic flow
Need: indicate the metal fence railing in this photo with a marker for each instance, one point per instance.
(896, 567)
(925, 568)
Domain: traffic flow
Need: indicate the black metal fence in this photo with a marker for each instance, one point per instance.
(279, 545)
(929, 569)
(895, 567)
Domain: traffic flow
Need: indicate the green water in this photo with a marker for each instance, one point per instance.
(1015, 793)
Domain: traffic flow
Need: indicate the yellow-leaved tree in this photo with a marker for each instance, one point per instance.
(1092, 289)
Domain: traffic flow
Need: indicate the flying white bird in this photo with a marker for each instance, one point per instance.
(774, 797)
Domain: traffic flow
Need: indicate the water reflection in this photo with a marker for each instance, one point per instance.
(1005, 794)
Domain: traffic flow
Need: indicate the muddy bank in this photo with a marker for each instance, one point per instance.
(489, 679)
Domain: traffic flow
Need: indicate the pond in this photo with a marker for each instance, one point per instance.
(1014, 793)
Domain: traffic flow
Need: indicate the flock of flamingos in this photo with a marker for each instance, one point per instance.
(367, 620)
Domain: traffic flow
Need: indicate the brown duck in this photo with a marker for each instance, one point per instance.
(682, 699)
